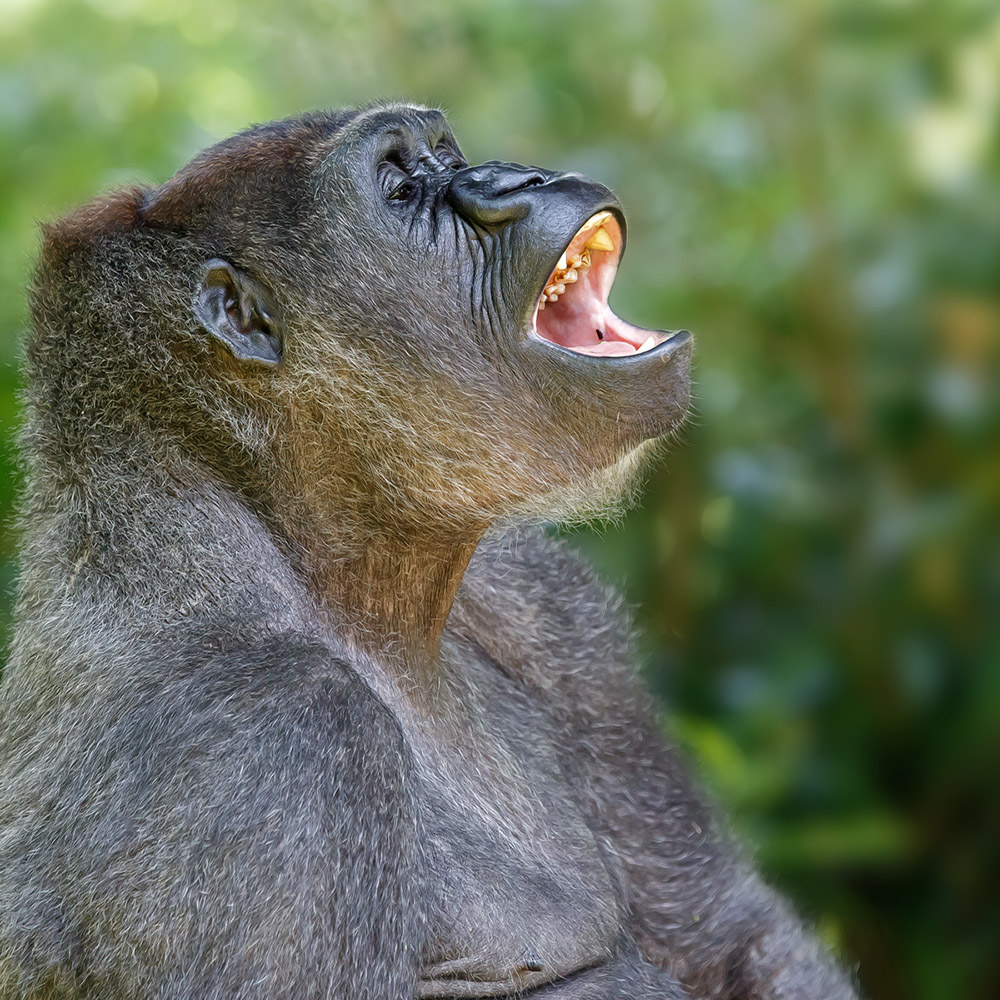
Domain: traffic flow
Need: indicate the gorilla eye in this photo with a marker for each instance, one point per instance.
(403, 192)
(396, 183)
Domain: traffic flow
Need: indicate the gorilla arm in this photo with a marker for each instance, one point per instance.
(699, 909)
(234, 823)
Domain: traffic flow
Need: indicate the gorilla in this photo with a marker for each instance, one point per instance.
(302, 701)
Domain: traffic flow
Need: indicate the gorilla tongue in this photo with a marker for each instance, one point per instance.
(573, 309)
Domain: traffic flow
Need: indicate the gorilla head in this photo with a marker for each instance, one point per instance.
(428, 333)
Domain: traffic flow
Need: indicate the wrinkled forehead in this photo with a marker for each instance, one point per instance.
(382, 127)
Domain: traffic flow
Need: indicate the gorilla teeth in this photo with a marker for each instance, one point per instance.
(566, 272)
(590, 236)
(600, 241)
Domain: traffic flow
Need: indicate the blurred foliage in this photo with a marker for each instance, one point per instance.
(812, 187)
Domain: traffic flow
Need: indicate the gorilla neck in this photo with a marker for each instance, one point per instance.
(386, 582)
(380, 555)
(393, 598)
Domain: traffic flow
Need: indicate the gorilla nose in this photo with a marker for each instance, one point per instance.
(493, 194)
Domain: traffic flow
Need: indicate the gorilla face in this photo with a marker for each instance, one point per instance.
(529, 257)
(447, 324)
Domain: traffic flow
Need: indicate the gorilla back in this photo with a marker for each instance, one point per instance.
(298, 705)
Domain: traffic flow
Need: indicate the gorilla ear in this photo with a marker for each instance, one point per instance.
(240, 313)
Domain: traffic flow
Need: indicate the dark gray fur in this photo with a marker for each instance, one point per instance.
(239, 757)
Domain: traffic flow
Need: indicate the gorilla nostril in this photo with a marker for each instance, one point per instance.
(518, 183)
(488, 193)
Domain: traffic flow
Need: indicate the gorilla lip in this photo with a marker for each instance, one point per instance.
(573, 312)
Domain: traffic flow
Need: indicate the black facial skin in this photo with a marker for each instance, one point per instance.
(644, 395)
(299, 702)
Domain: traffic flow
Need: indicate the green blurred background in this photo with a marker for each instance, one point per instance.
(812, 189)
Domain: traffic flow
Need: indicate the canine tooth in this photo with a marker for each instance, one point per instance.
(647, 344)
(599, 219)
(561, 266)
(600, 241)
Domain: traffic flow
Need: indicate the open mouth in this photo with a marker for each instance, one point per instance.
(573, 311)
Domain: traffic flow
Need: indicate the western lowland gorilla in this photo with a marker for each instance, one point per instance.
(301, 702)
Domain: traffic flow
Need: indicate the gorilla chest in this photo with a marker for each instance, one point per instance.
(519, 890)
